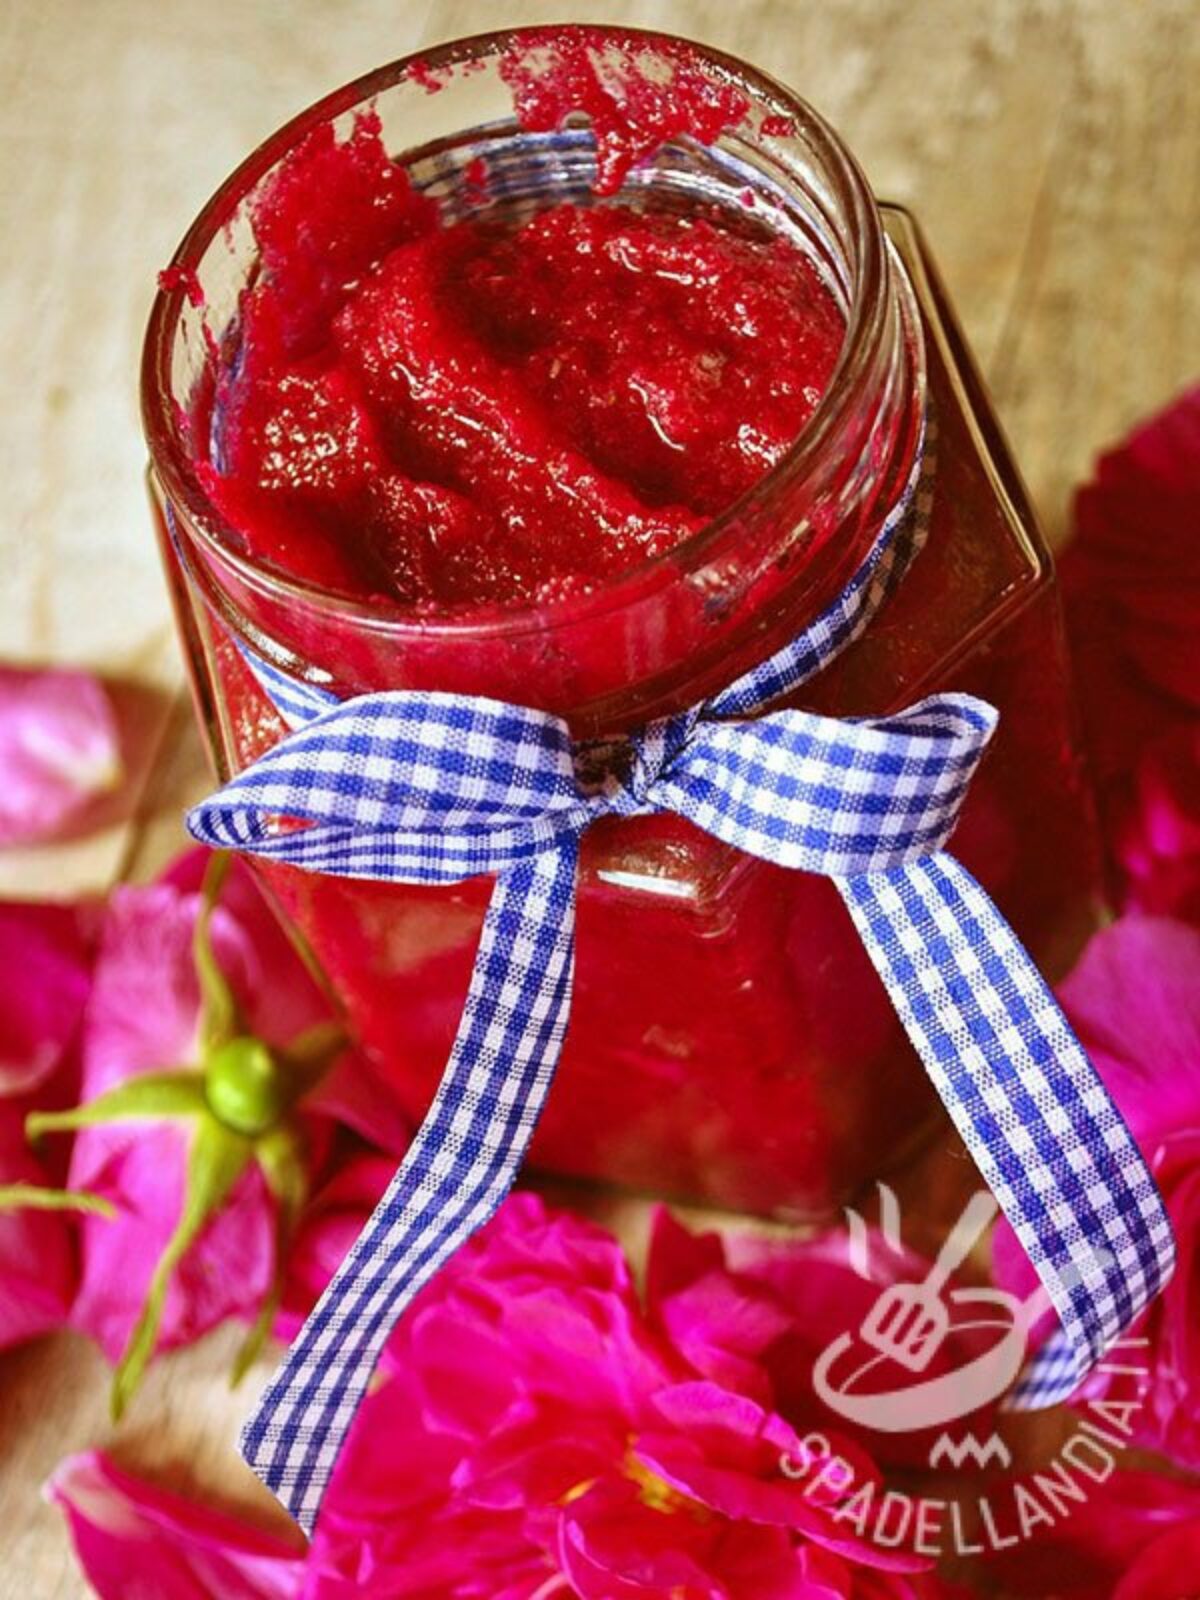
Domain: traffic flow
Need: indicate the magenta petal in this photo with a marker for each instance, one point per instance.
(226, 1272)
(678, 1257)
(612, 1547)
(332, 1220)
(536, 1432)
(37, 1252)
(1169, 1420)
(1156, 1573)
(58, 750)
(722, 1323)
(145, 1007)
(765, 1564)
(1134, 1000)
(355, 1095)
(1084, 1556)
(536, 1465)
(144, 1016)
(134, 1540)
(279, 995)
(45, 960)
(37, 1274)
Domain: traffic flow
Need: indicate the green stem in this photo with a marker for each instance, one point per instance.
(281, 1156)
(219, 1019)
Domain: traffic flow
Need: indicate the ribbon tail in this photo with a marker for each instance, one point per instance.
(459, 1168)
(1028, 1104)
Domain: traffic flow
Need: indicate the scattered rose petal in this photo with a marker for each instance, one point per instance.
(134, 1540)
(756, 1313)
(143, 1017)
(37, 1252)
(45, 961)
(59, 749)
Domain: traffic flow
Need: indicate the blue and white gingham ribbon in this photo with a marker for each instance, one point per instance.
(435, 788)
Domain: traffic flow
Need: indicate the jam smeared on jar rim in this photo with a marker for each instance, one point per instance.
(472, 415)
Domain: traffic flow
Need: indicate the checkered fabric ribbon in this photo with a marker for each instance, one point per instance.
(435, 788)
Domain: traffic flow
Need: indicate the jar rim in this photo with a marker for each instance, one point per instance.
(165, 429)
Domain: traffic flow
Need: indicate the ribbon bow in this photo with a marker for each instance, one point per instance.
(435, 788)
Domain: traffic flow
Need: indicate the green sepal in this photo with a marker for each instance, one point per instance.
(280, 1154)
(32, 1197)
(178, 1093)
(217, 1159)
(309, 1056)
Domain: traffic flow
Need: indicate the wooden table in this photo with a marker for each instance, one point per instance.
(1052, 151)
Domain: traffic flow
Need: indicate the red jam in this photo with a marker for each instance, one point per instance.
(467, 416)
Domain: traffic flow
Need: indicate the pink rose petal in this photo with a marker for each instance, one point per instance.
(226, 1273)
(1097, 1553)
(1134, 1000)
(45, 960)
(134, 1541)
(37, 1253)
(58, 750)
(1158, 840)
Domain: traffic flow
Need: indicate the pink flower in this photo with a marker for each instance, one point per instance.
(134, 1541)
(1131, 581)
(539, 1433)
(1134, 1000)
(45, 956)
(58, 750)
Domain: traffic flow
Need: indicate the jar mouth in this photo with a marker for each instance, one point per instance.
(165, 423)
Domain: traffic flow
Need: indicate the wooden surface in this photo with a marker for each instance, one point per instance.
(1052, 151)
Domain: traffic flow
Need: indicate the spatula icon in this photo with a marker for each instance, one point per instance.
(909, 1321)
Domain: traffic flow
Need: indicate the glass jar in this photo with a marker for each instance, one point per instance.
(729, 1042)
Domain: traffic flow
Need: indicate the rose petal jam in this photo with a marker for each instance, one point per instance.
(462, 417)
(573, 411)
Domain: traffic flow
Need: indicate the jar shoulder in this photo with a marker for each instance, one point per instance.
(985, 559)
